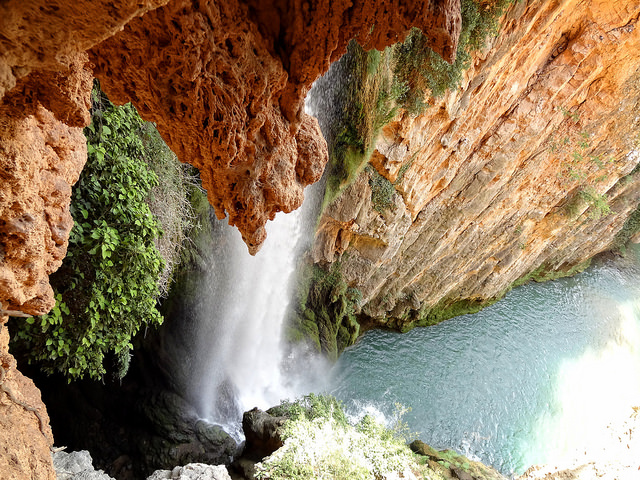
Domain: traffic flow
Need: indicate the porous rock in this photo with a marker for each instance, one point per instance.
(193, 471)
(25, 437)
(76, 466)
(225, 82)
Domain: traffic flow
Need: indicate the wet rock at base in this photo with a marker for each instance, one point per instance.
(262, 432)
(453, 465)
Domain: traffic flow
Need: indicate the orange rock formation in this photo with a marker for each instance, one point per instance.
(503, 174)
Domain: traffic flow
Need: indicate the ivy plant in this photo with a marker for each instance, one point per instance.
(108, 285)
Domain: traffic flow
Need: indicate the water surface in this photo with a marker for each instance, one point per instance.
(533, 379)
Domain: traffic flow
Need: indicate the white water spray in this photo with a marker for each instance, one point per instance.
(237, 351)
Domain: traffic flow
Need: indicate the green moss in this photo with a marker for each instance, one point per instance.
(382, 190)
(446, 309)
(450, 308)
(325, 310)
(423, 71)
(544, 274)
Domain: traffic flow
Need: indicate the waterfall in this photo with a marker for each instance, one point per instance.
(236, 355)
(224, 348)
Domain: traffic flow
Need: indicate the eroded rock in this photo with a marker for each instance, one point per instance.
(26, 436)
(193, 471)
(76, 466)
(226, 82)
(503, 175)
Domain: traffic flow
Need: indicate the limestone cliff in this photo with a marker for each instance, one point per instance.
(529, 167)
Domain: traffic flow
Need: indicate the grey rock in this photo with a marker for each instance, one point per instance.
(193, 471)
(76, 466)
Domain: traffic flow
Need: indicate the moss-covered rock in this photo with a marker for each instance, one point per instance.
(453, 465)
(325, 311)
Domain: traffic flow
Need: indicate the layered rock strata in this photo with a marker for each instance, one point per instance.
(529, 164)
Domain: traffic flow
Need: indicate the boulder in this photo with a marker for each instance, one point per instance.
(262, 432)
(193, 471)
(76, 466)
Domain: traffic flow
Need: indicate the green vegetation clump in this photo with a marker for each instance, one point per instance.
(109, 283)
(599, 204)
(544, 274)
(325, 311)
(382, 190)
(368, 102)
(447, 309)
(450, 308)
(578, 164)
(320, 442)
(173, 202)
(424, 72)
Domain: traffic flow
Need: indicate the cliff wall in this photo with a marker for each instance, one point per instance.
(526, 170)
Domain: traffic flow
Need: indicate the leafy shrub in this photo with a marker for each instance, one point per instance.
(108, 285)
(319, 442)
(311, 406)
(598, 203)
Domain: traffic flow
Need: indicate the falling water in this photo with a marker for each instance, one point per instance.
(228, 354)
(236, 355)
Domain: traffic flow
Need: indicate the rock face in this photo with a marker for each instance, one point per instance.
(26, 437)
(530, 164)
(225, 82)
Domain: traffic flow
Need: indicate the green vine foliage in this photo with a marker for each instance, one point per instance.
(423, 70)
(107, 287)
